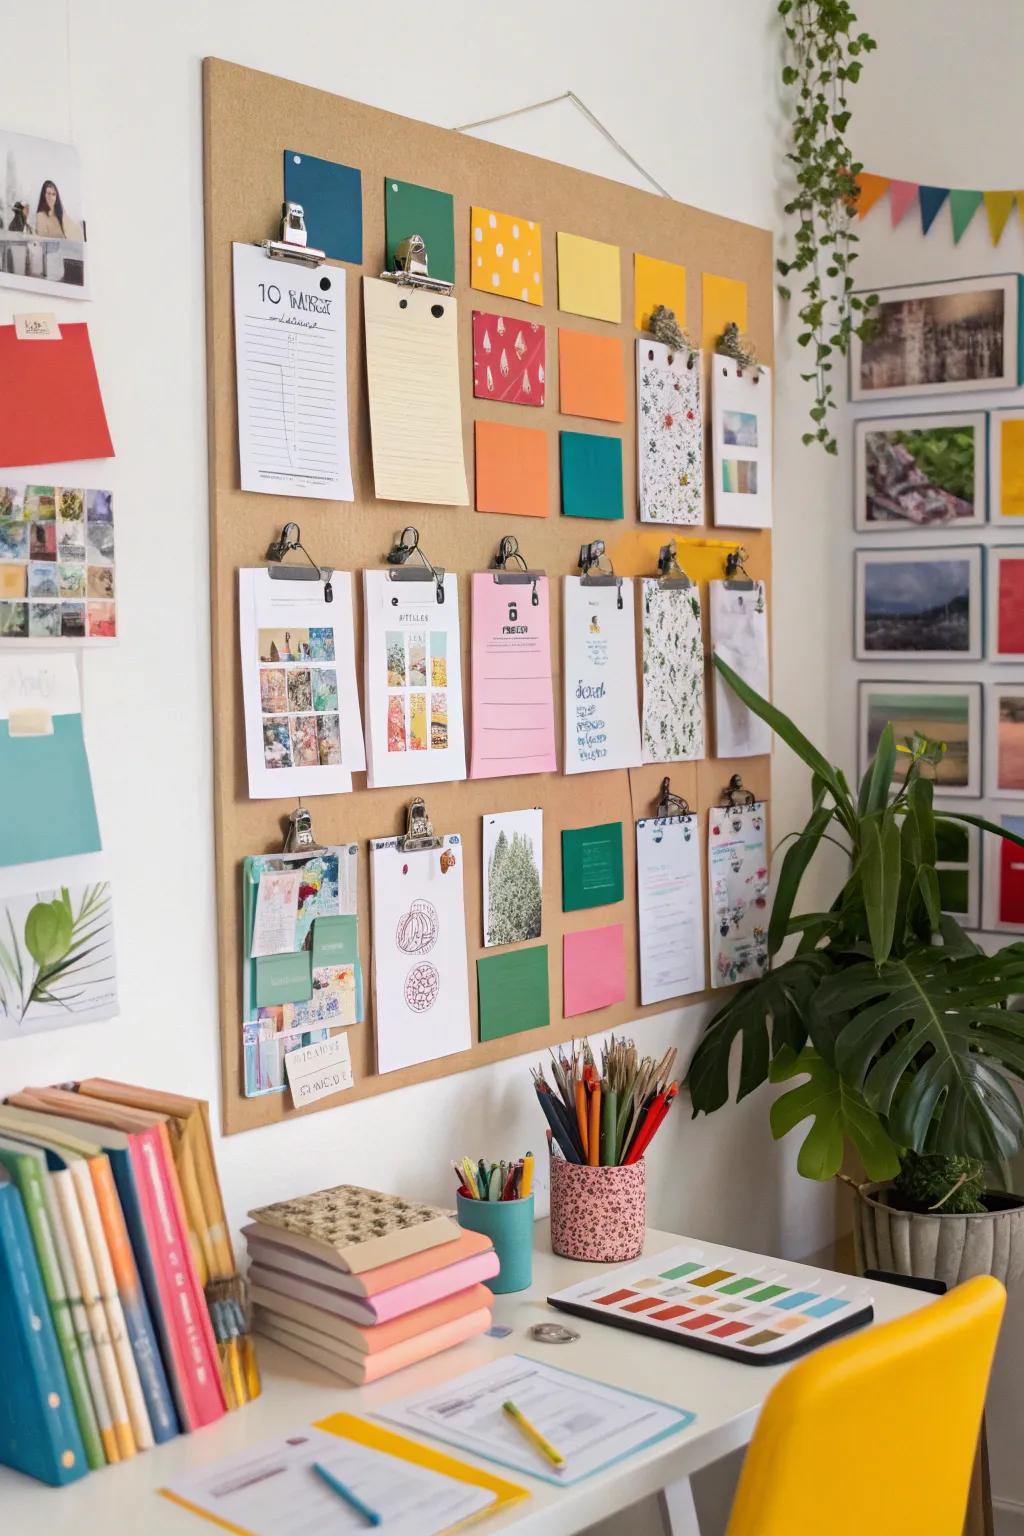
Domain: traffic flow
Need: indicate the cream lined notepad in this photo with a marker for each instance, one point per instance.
(412, 374)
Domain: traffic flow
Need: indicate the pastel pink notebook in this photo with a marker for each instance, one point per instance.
(372, 1281)
(271, 1259)
(357, 1371)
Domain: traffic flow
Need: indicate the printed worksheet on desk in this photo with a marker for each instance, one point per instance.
(290, 363)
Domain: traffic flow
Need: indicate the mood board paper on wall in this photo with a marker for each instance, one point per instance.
(589, 278)
(412, 210)
(513, 696)
(55, 414)
(331, 197)
(506, 255)
(57, 576)
(657, 282)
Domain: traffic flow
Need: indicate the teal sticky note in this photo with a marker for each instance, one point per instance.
(512, 989)
(283, 979)
(332, 202)
(334, 941)
(591, 475)
(591, 866)
(412, 210)
(55, 813)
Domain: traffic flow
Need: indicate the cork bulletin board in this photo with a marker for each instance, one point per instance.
(250, 118)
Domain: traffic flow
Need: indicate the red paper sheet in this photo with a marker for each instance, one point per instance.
(53, 410)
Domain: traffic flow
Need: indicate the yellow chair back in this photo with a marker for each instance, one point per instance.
(875, 1434)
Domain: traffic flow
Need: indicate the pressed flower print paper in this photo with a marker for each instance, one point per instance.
(669, 434)
(673, 661)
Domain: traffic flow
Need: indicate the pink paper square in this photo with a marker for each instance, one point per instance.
(593, 969)
(508, 359)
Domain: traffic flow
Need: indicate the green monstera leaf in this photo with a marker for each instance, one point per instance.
(839, 1113)
(48, 930)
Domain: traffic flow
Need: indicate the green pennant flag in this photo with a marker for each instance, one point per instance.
(962, 208)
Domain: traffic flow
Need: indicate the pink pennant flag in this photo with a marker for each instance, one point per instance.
(901, 195)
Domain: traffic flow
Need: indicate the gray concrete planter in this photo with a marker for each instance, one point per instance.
(937, 1247)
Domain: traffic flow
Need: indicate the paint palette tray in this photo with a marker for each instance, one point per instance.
(745, 1306)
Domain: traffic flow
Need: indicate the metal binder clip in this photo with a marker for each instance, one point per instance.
(291, 245)
(594, 574)
(419, 831)
(519, 575)
(670, 804)
(412, 268)
(673, 577)
(299, 837)
(405, 546)
(291, 538)
(735, 797)
(734, 565)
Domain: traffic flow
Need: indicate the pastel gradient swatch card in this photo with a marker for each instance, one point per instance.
(512, 991)
(513, 695)
(657, 282)
(508, 359)
(589, 278)
(412, 210)
(511, 469)
(591, 376)
(591, 467)
(331, 197)
(593, 969)
(505, 255)
(591, 866)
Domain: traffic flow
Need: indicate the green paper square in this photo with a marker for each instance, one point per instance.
(334, 941)
(513, 992)
(592, 866)
(283, 979)
(412, 210)
(591, 476)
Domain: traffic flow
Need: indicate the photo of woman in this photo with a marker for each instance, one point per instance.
(42, 220)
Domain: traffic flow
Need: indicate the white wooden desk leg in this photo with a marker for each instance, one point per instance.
(678, 1511)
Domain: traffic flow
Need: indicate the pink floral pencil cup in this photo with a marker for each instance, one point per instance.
(598, 1214)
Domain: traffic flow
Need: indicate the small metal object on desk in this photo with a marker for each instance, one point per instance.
(552, 1333)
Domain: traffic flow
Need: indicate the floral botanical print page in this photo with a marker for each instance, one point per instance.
(669, 434)
(738, 882)
(673, 663)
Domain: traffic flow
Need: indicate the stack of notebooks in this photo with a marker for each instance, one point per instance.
(365, 1283)
(122, 1314)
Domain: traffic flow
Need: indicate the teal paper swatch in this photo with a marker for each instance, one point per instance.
(331, 196)
(591, 476)
(55, 816)
(335, 941)
(283, 979)
(591, 866)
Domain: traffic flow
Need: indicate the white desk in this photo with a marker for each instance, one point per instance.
(725, 1396)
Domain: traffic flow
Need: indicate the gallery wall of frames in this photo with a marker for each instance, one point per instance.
(938, 564)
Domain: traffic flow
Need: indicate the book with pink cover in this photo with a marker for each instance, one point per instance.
(372, 1340)
(383, 1276)
(358, 1369)
(281, 1270)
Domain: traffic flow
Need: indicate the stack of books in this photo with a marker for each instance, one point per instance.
(365, 1283)
(122, 1314)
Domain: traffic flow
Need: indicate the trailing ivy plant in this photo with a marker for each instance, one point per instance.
(823, 58)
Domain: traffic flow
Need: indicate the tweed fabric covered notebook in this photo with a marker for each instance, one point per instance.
(356, 1229)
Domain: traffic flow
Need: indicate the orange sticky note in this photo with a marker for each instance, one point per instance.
(722, 299)
(511, 469)
(591, 376)
(505, 255)
(657, 282)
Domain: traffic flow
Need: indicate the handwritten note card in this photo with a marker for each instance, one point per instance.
(317, 1071)
(602, 725)
(513, 703)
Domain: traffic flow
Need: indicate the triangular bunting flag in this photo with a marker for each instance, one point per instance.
(962, 208)
(870, 189)
(932, 199)
(901, 195)
(998, 206)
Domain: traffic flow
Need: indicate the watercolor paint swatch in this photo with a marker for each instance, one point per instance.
(657, 282)
(505, 255)
(511, 469)
(56, 563)
(508, 359)
(591, 376)
(591, 469)
(589, 278)
(412, 210)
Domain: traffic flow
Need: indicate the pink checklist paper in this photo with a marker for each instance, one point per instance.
(593, 969)
(513, 700)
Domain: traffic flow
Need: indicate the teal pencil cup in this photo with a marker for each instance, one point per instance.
(509, 1225)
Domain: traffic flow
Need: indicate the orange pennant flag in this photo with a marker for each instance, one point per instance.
(870, 189)
(998, 206)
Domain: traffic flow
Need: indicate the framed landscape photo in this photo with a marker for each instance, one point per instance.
(1006, 466)
(1004, 746)
(920, 472)
(919, 605)
(939, 338)
(947, 712)
(1004, 881)
(1004, 582)
(958, 866)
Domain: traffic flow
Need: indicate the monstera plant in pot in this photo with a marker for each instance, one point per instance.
(903, 1033)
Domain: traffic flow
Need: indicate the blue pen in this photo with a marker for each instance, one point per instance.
(369, 1515)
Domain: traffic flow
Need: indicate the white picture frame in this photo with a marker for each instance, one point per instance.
(931, 339)
(908, 605)
(997, 421)
(967, 915)
(992, 920)
(914, 499)
(1004, 740)
(998, 555)
(950, 712)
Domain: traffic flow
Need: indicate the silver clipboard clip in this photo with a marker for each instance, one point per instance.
(669, 804)
(517, 575)
(291, 242)
(735, 797)
(737, 577)
(401, 552)
(419, 831)
(299, 838)
(593, 573)
(291, 538)
(672, 577)
(412, 268)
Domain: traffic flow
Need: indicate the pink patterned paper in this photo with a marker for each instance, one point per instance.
(508, 359)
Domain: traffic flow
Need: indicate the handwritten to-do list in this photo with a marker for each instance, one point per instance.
(602, 722)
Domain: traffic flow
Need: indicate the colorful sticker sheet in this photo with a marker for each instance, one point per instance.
(723, 1300)
(738, 881)
(669, 434)
(56, 564)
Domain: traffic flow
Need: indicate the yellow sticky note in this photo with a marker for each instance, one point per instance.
(1011, 464)
(722, 299)
(589, 280)
(13, 580)
(657, 282)
(505, 255)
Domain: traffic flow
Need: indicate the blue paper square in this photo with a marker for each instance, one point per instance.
(332, 201)
(591, 476)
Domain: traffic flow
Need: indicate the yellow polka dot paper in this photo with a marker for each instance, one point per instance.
(505, 256)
